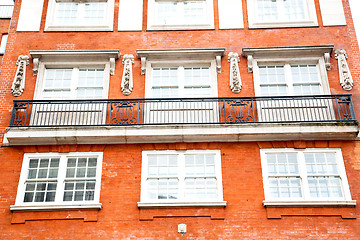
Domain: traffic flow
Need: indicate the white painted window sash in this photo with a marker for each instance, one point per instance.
(181, 22)
(310, 18)
(320, 65)
(61, 178)
(304, 175)
(181, 175)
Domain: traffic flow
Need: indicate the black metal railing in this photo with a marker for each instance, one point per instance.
(121, 112)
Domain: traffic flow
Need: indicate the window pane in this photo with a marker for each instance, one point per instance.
(40, 192)
(162, 188)
(321, 163)
(282, 164)
(163, 165)
(285, 187)
(325, 187)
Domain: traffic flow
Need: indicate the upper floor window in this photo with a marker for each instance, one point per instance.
(59, 180)
(281, 71)
(181, 177)
(94, 15)
(75, 83)
(6, 8)
(73, 74)
(175, 14)
(289, 79)
(310, 176)
(281, 13)
(4, 39)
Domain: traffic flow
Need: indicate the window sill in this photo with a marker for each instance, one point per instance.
(283, 24)
(78, 29)
(180, 27)
(219, 204)
(95, 206)
(351, 203)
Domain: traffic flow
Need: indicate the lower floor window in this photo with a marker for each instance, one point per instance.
(304, 175)
(57, 178)
(181, 176)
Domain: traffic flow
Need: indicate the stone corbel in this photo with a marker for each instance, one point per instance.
(127, 79)
(143, 65)
(112, 66)
(327, 61)
(346, 80)
(250, 61)
(235, 79)
(218, 64)
(36, 66)
(18, 85)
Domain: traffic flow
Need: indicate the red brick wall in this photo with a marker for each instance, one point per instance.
(244, 217)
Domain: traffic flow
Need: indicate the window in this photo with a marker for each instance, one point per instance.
(59, 180)
(183, 178)
(3, 43)
(74, 83)
(181, 73)
(289, 79)
(171, 14)
(281, 13)
(94, 15)
(181, 81)
(310, 175)
(6, 8)
(71, 76)
(291, 71)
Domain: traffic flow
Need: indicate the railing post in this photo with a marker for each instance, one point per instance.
(13, 114)
(352, 109)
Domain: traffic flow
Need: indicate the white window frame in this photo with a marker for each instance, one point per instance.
(4, 39)
(74, 82)
(152, 25)
(309, 22)
(306, 199)
(58, 204)
(181, 202)
(50, 24)
(276, 56)
(319, 62)
(210, 57)
(73, 60)
(180, 65)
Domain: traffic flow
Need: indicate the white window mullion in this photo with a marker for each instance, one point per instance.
(181, 177)
(280, 10)
(80, 18)
(289, 80)
(181, 80)
(303, 176)
(181, 12)
(61, 179)
(74, 83)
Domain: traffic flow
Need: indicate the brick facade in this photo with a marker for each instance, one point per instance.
(244, 217)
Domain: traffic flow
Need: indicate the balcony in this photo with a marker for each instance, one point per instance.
(182, 120)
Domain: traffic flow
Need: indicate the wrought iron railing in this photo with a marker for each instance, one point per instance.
(121, 112)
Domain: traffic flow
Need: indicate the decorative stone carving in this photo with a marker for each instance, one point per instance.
(143, 65)
(36, 66)
(327, 61)
(250, 60)
(346, 80)
(18, 85)
(127, 79)
(235, 79)
(218, 64)
(112, 66)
